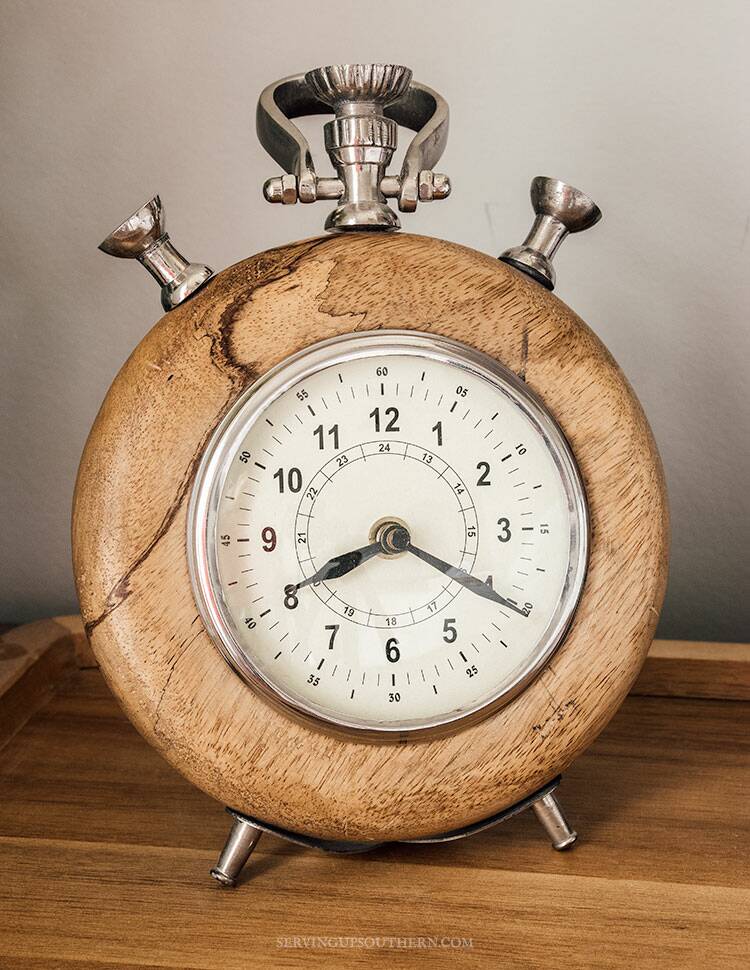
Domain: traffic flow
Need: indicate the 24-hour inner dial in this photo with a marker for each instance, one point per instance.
(406, 595)
(388, 533)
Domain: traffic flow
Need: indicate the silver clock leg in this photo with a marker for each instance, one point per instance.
(243, 838)
(549, 812)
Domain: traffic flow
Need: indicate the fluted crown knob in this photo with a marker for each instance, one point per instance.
(382, 83)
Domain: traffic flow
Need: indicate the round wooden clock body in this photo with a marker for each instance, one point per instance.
(130, 539)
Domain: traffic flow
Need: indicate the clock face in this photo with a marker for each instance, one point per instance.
(388, 533)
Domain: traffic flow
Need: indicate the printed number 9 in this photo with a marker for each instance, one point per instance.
(268, 535)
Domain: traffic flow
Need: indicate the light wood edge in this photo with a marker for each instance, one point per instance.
(34, 659)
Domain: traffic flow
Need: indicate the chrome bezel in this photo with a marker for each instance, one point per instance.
(250, 405)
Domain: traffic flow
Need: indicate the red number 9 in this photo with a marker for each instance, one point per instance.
(268, 535)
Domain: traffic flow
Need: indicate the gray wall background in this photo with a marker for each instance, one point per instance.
(642, 104)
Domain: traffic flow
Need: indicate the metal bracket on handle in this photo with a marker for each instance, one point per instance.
(285, 143)
(368, 102)
(422, 110)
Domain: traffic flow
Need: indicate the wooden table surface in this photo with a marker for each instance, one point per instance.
(105, 852)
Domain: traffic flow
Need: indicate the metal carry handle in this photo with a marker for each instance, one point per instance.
(368, 102)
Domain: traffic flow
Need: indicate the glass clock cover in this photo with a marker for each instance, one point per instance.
(388, 532)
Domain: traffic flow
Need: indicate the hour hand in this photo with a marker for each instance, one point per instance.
(465, 579)
(339, 565)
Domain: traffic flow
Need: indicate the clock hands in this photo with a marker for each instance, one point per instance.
(465, 579)
(339, 566)
(391, 539)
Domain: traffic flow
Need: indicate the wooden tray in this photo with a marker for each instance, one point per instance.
(105, 850)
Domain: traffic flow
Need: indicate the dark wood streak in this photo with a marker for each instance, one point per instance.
(240, 374)
(524, 352)
(122, 588)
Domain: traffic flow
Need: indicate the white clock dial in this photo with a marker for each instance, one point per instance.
(388, 533)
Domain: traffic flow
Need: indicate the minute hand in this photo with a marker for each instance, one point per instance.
(465, 579)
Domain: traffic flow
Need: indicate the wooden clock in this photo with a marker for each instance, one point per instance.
(370, 533)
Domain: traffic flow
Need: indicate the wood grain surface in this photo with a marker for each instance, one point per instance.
(105, 851)
(130, 523)
(684, 668)
(33, 659)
